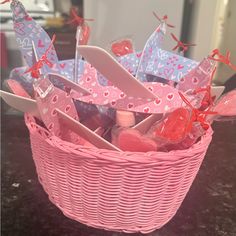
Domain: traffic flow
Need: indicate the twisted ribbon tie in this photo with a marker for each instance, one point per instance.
(221, 58)
(77, 19)
(197, 115)
(163, 19)
(34, 70)
(181, 45)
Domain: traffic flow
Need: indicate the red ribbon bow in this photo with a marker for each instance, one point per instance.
(221, 58)
(163, 19)
(77, 19)
(183, 46)
(35, 69)
(197, 115)
(207, 100)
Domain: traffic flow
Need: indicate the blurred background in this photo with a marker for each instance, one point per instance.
(209, 24)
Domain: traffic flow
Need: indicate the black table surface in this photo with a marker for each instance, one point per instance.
(208, 209)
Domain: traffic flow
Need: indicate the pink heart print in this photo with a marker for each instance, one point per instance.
(167, 97)
(199, 77)
(40, 44)
(52, 99)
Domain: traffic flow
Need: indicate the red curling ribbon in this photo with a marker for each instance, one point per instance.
(197, 115)
(85, 30)
(163, 19)
(221, 58)
(207, 100)
(77, 19)
(34, 70)
(182, 46)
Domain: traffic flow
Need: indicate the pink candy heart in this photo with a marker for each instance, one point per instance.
(132, 140)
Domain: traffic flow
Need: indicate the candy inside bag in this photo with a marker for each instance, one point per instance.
(192, 137)
(172, 128)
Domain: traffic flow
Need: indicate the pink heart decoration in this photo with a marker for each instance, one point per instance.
(28, 18)
(40, 44)
(62, 65)
(158, 101)
(180, 67)
(195, 80)
(106, 94)
(139, 54)
(168, 72)
(130, 105)
(113, 103)
(170, 96)
(122, 95)
(146, 109)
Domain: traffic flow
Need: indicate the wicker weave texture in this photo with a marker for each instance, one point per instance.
(129, 192)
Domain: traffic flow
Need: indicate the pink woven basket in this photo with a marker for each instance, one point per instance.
(118, 191)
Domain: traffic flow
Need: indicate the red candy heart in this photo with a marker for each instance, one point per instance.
(174, 126)
(122, 48)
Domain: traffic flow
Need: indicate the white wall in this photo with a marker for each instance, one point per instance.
(203, 28)
(115, 19)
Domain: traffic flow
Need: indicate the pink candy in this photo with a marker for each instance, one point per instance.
(132, 140)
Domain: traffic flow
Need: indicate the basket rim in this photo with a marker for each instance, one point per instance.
(149, 158)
